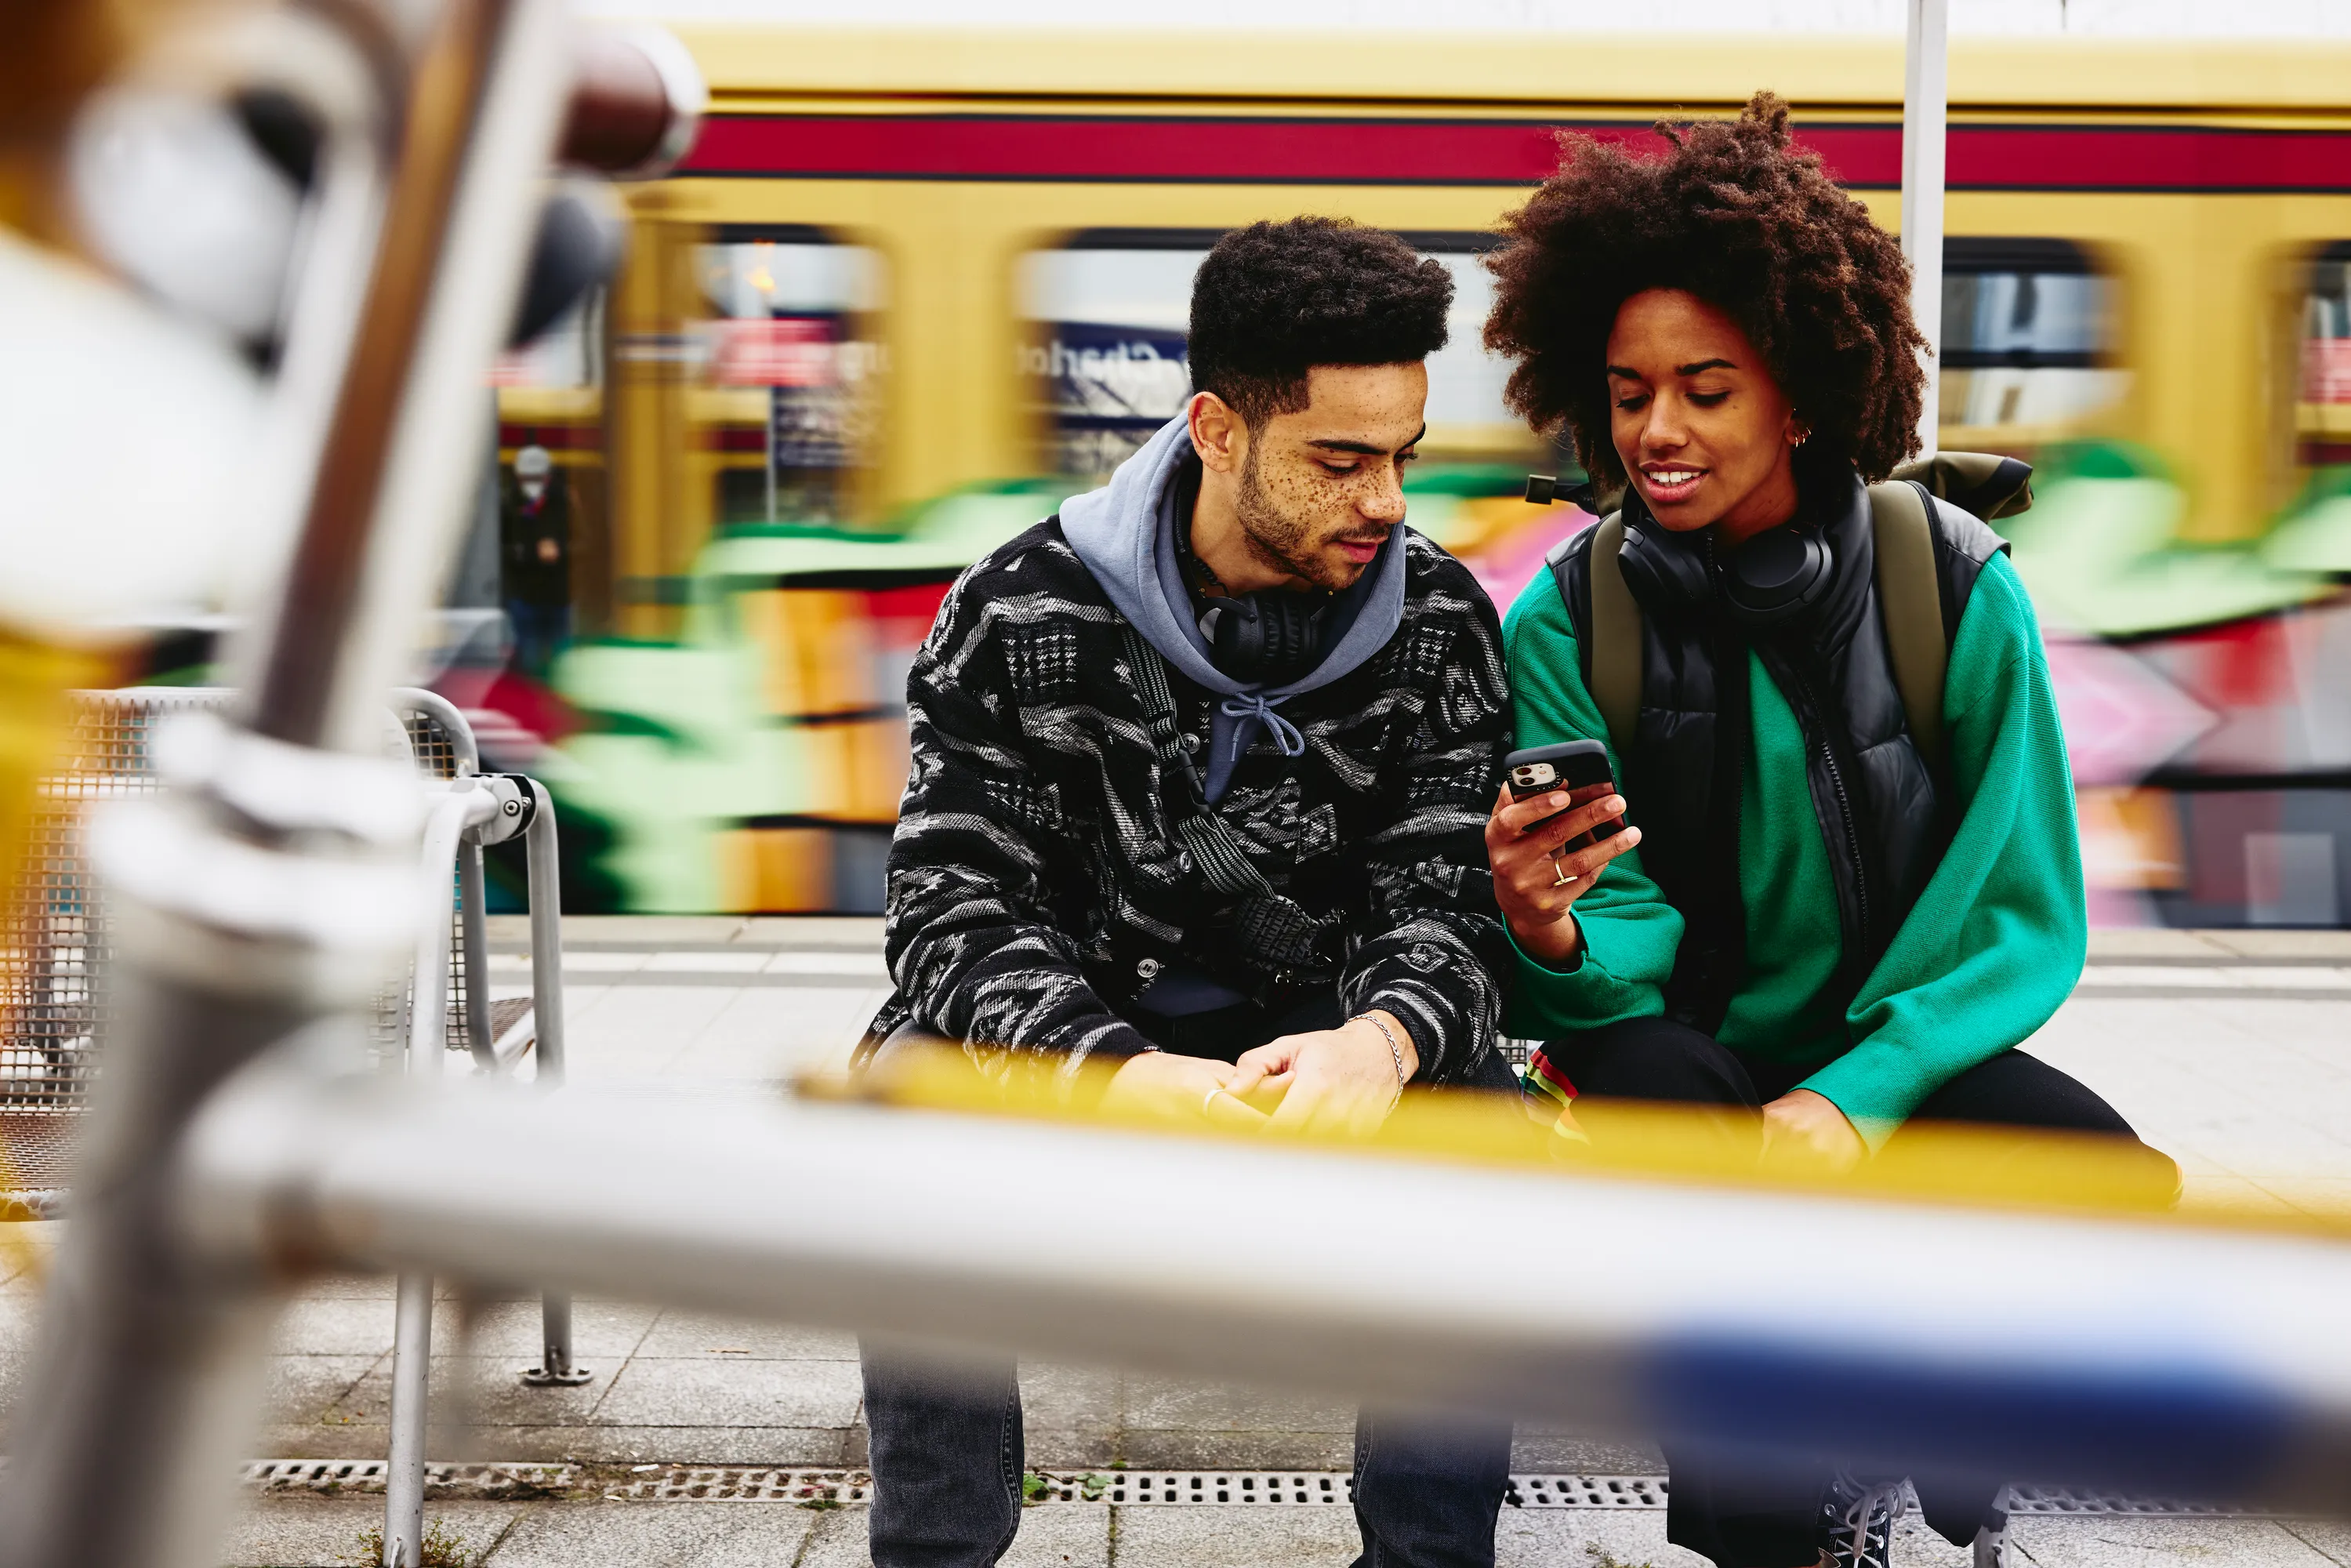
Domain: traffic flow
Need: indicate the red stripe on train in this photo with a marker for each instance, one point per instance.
(1511, 153)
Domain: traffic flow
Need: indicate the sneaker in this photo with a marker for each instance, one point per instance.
(1857, 1520)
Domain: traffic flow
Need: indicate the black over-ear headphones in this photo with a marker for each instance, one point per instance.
(1265, 637)
(1776, 576)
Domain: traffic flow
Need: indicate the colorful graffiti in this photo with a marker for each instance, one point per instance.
(755, 762)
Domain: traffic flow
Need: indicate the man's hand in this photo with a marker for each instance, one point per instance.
(1536, 879)
(1804, 1129)
(1180, 1090)
(1342, 1080)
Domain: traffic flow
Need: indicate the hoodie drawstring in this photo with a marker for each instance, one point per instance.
(1253, 704)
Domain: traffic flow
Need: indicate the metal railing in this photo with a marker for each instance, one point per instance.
(57, 947)
(58, 939)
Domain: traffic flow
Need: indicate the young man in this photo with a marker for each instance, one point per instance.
(1200, 771)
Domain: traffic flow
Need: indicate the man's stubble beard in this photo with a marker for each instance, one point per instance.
(1274, 538)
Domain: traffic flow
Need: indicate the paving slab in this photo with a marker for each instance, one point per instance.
(2143, 943)
(1588, 1537)
(315, 1388)
(2277, 943)
(732, 1392)
(694, 1334)
(336, 1325)
(771, 1034)
(1179, 1448)
(686, 1445)
(486, 1389)
(327, 1533)
(603, 1334)
(2331, 1537)
(853, 931)
(2126, 1543)
(657, 1535)
(1539, 1448)
(1209, 1537)
(1163, 1403)
(1050, 1537)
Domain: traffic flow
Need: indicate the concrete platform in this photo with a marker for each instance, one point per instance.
(318, 1532)
(2249, 1090)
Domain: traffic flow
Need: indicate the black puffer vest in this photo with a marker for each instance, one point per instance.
(1882, 816)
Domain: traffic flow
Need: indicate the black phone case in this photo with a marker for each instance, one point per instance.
(1579, 765)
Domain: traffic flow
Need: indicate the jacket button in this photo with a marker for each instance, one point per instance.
(1148, 969)
(1191, 743)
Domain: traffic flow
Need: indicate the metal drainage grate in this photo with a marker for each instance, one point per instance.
(1586, 1491)
(339, 1476)
(1129, 1489)
(729, 1483)
(732, 1483)
(2065, 1500)
(1290, 1487)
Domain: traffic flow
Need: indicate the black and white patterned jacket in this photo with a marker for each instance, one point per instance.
(1052, 857)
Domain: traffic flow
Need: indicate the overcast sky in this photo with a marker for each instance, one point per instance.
(2160, 18)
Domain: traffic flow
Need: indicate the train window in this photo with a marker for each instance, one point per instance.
(791, 367)
(2028, 340)
(1105, 354)
(2322, 407)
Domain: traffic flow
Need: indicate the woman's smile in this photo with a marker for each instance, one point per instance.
(1669, 484)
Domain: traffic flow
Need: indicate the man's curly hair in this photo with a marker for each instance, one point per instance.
(1273, 300)
(1736, 216)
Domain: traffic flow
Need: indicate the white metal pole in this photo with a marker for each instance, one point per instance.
(1925, 110)
(428, 1017)
(2166, 1359)
(545, 883)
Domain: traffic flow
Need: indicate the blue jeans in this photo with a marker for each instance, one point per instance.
(947, 1456)
(540, 631)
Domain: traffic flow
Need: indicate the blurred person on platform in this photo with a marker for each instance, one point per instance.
(535, 559)
(1811, 924)
(1199, 771)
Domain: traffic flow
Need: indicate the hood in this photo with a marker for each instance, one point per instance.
(1124, 534)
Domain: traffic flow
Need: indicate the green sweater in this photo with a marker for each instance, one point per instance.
(1990, 950)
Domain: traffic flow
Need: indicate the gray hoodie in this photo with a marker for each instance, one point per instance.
(1126, 535)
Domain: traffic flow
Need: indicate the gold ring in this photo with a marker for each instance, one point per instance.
(1559, 877)
(1211, 1094)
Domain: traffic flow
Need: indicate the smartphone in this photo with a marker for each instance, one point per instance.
(1578, 766)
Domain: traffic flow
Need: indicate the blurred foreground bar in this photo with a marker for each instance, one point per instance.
(2145, 1354)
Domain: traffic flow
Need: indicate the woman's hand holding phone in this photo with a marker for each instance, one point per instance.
(1546, 851)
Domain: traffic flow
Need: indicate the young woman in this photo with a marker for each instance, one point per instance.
(1811, 922)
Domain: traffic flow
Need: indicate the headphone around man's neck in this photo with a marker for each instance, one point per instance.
(1267, 637)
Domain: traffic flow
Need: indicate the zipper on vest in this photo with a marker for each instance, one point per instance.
(1843, 801)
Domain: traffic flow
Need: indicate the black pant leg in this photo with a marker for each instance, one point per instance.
(1656, 1059)
(1741, 1509)
(2014, 1090)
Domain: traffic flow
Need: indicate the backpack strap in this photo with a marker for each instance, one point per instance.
(1615, 648)
(1909, 595)
(1910, 602)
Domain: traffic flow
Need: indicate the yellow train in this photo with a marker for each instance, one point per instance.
(913, 286)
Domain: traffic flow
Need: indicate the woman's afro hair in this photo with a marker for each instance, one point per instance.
(1734, 214)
